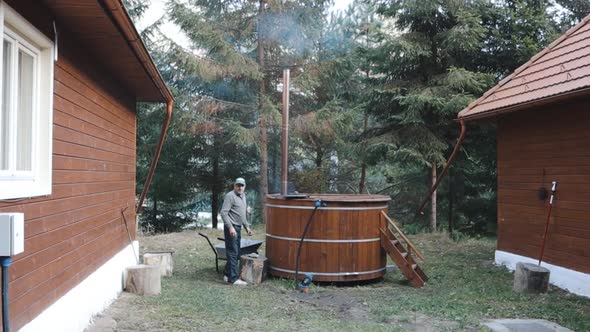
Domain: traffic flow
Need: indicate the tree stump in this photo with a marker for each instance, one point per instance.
(162, 259)
(143, 280)
(530, 278)
(254, 268)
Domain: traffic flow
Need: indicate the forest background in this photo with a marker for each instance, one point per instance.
(375, 91)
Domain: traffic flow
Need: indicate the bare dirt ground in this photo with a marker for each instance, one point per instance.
(124, 315)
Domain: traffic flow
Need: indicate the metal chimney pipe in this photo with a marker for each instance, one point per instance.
(285, 130)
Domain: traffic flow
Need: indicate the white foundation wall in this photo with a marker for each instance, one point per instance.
(570, 280)
(73, 312)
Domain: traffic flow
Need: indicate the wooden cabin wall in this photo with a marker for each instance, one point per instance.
(536, 147)
(79, 227)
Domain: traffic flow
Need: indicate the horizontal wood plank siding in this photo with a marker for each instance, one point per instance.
(535, 148)
(79, 227)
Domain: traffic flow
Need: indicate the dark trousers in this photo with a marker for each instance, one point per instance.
(232, 251)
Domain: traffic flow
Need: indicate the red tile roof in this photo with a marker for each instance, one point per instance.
(563, 68)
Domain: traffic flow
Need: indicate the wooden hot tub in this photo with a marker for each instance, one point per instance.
(342, 242)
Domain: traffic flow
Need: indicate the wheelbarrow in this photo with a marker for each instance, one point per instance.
(246, 247)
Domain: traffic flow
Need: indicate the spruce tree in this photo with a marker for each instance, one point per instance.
(442, 55)
(422, 85)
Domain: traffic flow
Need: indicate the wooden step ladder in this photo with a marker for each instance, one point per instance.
(399, 254)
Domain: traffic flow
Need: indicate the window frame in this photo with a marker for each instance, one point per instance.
(24, 36)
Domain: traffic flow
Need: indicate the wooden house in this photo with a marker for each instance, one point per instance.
(542, 113)
(72, 73)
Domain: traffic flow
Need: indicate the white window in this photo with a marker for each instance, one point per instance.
(26, 107)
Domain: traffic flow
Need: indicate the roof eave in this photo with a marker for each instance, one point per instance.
(120, 17)
(527, 105)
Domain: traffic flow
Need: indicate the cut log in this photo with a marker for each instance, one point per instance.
(254, 268)
(530, 278)
(143, 280)
(162, 259)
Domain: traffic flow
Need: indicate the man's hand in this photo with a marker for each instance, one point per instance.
(250, 232)
(232, 232)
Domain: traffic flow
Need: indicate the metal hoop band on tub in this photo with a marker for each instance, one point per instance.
(328, 207)
(323, 240)
(329, 274)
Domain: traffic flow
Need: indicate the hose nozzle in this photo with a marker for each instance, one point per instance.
(304, 286)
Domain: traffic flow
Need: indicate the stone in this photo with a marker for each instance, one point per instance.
(524, 325)
(254, 268)
(143, 280)
(163, 259)
(530, 278)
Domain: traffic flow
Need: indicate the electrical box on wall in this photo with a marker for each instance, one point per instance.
(12, 233)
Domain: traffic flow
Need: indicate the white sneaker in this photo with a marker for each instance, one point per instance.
(225, 278)
(240, 282)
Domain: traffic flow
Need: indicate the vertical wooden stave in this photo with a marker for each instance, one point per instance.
(327, 257)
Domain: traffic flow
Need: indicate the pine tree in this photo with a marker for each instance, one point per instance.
(172, 184)
(368, 26)
(330, 111)
(323, 113)
(575, 11)
(515, 30)
(235, 43)
(136, 8)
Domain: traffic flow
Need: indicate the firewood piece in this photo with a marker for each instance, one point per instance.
(143, 280)
(161, 259)
(530, 278)
(254, 268)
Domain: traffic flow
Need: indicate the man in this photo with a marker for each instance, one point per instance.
(233, 213)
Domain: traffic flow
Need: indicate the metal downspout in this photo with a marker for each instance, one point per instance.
(156, 157)
(444, 171)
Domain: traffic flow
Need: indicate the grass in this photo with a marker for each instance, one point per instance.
(464, 288)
